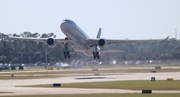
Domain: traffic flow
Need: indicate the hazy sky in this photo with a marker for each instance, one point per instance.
(119, 19)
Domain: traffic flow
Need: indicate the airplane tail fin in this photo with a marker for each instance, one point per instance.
(99, 33)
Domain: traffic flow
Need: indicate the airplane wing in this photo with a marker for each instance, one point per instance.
(93, 42)
(39, 39)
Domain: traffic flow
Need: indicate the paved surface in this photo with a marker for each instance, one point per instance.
(9, 85)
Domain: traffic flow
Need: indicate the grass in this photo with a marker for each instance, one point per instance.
(130, 85)
(24, 74)
(6, 92)
(101, 95)
(89, 71)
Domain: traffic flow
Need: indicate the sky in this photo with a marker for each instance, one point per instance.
(119, 19)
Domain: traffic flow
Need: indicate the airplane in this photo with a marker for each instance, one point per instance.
(80, 41)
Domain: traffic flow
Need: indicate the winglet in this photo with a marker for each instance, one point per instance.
(167, 38)
(99, 33)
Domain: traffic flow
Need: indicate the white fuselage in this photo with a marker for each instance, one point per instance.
(76, 36)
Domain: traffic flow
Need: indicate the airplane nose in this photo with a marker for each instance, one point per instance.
(63, 24)
(67, 24)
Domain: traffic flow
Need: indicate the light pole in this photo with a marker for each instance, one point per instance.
(176, 33)
(45, 57)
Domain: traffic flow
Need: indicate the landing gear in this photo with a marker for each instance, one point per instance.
(96, 55)
(67, 54)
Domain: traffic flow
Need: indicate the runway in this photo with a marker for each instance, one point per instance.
(9, 85)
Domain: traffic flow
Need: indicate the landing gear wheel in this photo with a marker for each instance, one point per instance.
(66, 54)
(69, 56)
(94, 53)
(97, 53)
(94, 56)
(97, 56)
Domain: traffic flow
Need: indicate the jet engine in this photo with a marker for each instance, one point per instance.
(51, 42)
(102, 42)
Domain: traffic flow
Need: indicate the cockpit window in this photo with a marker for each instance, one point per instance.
(67, 20)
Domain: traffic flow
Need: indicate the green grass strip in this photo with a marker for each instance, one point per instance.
(130, 85)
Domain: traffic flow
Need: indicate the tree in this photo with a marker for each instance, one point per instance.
(3, 59)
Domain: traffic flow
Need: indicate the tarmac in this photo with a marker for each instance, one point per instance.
(10, 85)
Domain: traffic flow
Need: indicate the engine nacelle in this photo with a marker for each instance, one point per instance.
(51, 41)
(102, 42)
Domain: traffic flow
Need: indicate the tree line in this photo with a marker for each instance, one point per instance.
(153, 50)
(26, 51)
